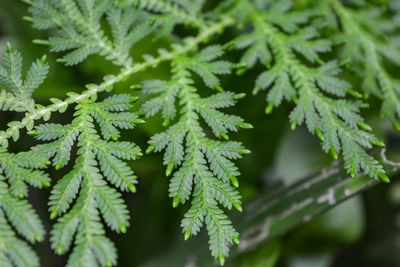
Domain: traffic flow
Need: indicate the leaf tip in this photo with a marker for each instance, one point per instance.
(150, 149)
(175, 202)
(54, 214)
(122, 228)
(234, 180)
(132, 188)
(187, 234)
(383, 177)
(170, 168)
(221, 259)
(60, 249)
(269, 108)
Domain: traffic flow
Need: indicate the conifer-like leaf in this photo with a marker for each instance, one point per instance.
(99, 164)
(202, 167)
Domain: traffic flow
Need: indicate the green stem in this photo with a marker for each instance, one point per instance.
(190, 44)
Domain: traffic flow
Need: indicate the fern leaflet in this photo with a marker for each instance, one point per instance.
(317, 91)
(168, 14)
(78, 23)
(17, 171)
(203, 166)
(99, 162)
(363, 33)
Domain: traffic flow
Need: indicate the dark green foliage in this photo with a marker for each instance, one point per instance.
(302, 52)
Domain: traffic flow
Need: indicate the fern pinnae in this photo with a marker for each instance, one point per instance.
(335, 121)
(19, 95)
(13, 250)
(168, 14)
(203, 166)
(365, 41)
(93, 169)
(80, 31)
(285, 39)
(19, 170)
(109, 81)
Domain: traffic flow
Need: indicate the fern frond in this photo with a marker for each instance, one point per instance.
(17, 93)
(364, 37)
(99, 162)
(317, 91)
(13, 251)
(59, 105)
(17, 171)
(16, 214)
(191, 6)
(169, 13)
(18, 96)
(18, 211)
(283, 39)
(203, 166)
(79, 30)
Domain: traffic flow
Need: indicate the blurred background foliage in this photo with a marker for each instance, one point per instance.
(363, 231)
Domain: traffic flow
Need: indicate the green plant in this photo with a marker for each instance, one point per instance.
(17, 171)
(303, 48)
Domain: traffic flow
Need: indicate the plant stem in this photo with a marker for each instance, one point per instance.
(189, 45)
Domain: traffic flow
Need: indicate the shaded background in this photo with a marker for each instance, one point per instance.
(364, 231)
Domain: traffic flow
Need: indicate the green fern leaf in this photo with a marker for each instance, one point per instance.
(316, 91)
(19, 93)
(79, 30)
(364, 33)
(169, 13)
(18, 169)
(13, 251)
(203, 166)
(99, 161)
